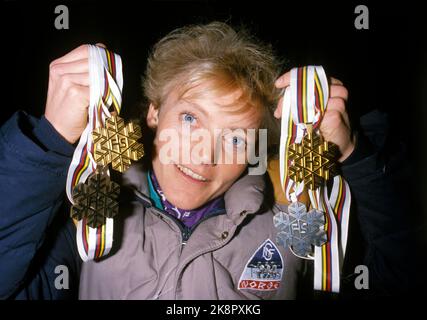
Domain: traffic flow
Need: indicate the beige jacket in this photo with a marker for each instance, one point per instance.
(228, 256)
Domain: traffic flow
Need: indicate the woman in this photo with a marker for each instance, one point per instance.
(205, 78)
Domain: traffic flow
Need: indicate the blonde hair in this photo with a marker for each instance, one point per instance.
(229, 60)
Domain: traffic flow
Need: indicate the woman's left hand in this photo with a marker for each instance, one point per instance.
(335, 126)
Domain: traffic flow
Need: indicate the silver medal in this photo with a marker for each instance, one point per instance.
(299, 229)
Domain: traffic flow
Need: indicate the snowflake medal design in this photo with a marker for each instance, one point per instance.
(313, 160)
(96, 199)
(300, 230)
(117, 144)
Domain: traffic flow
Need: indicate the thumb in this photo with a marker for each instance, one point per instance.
(99, 44)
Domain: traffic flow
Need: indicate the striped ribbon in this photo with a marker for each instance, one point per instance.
(304, 102)
(106, 83)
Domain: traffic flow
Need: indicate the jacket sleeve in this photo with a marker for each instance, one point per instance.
(33, 166)
(378, 175)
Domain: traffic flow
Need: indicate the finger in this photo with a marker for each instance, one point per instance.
(284, 80)
(331, 124)
(338, 91)
(278, 111)
(81, 52)
(100, 44)
(77, 66)
(331, 120)
(79, 93)
(338, 105)
(81, 79)
(335, 81)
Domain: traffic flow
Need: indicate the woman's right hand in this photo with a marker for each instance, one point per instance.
(68, 93)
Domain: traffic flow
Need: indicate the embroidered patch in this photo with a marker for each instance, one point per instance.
(264, 269)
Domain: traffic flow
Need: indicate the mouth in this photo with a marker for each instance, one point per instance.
(190, 174)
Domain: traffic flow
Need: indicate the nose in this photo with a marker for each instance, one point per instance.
(205, 149)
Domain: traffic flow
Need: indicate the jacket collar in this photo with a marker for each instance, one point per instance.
(245, 195)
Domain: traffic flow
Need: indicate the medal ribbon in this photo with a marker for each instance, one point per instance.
(304, 104)
(106, 83)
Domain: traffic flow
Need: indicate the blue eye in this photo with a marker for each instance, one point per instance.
(237, 141)
(186, 117)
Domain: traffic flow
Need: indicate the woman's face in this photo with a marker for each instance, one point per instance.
(202, 132)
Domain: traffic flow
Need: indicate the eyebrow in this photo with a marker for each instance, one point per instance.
(199, 107)
(205, 113)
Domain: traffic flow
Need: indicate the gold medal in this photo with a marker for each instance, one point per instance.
(313, 160)
(96, 199)
(117, 143)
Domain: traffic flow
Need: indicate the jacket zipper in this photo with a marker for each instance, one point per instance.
(199, 253)
(185, 231)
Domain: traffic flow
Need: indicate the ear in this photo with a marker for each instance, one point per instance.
(152, 116)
